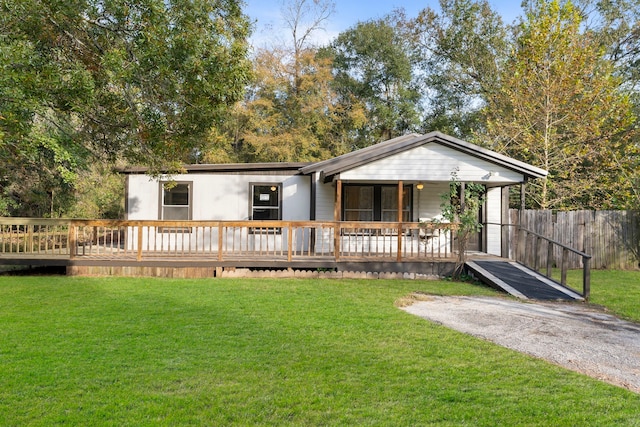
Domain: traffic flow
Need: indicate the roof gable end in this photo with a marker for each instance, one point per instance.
(329, 168)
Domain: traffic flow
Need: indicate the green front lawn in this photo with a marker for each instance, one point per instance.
(617, 290)
(121, 351)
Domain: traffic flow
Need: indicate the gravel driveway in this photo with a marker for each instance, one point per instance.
(573, 335)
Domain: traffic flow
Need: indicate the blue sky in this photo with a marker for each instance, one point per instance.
(266, 13)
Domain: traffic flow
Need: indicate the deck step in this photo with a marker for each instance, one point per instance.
(520, 281)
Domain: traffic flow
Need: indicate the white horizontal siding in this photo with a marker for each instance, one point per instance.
(432, 162)
(219, 196)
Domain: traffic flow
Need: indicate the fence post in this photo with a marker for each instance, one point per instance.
(336, 240)
(30, 237)
(565, 264)
(400, 234)
(522, 245)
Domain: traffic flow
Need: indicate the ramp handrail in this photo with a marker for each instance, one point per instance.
(532, 258)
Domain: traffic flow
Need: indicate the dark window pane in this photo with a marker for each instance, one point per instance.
(356, 215)
(266, 195)
(358, 197)
(265, 214)
(178, 195)
(389, 198)
(375, 203)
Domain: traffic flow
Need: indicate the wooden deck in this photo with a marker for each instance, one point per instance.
(209, 248)
(94, 246)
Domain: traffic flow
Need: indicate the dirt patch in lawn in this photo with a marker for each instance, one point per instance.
(576, 336)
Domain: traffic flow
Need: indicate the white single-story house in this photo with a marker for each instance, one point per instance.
(400, 180)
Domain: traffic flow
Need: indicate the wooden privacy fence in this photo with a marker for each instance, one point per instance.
(223, 240)
(612, 238)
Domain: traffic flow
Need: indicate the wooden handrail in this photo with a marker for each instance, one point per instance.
(224, 240)
(586, 266)
(555, 242)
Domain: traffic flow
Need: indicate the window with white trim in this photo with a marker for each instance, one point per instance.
(175, 204)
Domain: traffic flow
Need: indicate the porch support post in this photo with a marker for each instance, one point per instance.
(522, 244)
(337, 216)
(523, 186)
(337, 212)
(400, 234)
(505, 227)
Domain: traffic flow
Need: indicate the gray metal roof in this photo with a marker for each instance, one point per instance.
(329, 168)
(332, 167)
(293, 167)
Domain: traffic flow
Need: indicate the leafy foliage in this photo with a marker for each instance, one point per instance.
(458, 52)
(461, 205)
(289, 112)
(561, 107)
(161, 83)
(143, 80)
(373, 68)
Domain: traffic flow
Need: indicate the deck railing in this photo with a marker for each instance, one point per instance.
(224, 240)
(38, 236)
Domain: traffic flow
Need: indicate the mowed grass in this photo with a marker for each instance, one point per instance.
(152, 352)
(617, 290)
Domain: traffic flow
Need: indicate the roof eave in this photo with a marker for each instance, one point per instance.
(227, 167)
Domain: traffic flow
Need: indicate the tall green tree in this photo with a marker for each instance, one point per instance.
(142, 79)
(615, 24)
(287, 115)
(373, 68)
(458, 51)
(290, 111)
(562, 108)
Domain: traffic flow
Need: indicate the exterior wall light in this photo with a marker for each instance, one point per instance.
(419, 186)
